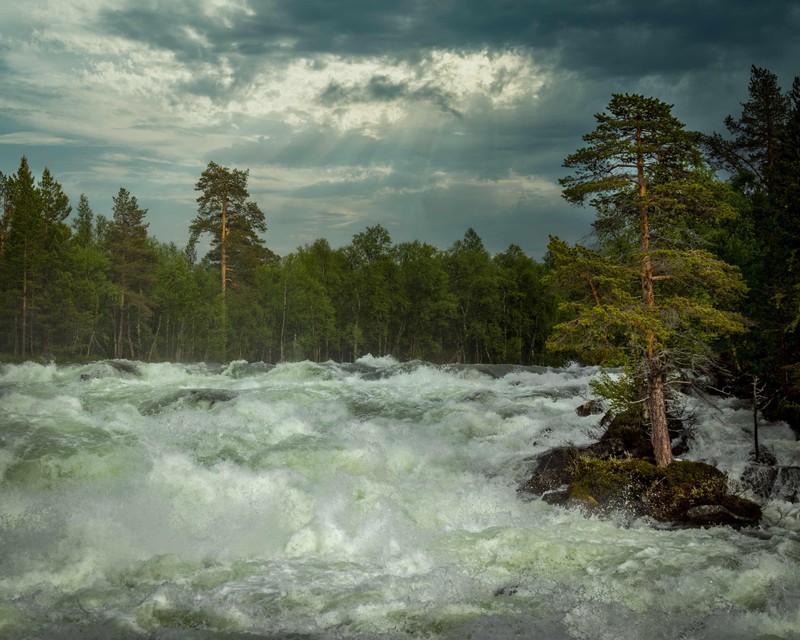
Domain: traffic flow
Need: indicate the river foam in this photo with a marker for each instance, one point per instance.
(375, 499)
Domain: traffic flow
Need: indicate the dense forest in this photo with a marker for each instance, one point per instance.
(76, 284)
(92, 286)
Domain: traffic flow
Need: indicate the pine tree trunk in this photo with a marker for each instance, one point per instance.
(155, 339)
(24, 300)
(283, 317)
(118, 342)
(223, 236)
(657, 413)
(656, 398)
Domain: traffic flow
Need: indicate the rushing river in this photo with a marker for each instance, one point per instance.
(369, 500)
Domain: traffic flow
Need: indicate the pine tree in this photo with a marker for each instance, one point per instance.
(56, 282)
(22, 254)
(83, 224)
(224, 212)
(643, 173)
(786, 191)
(132, 260)
(234, 222)
(4, 189)
(780, 281)
(751, 151)
(91, 288)
(761, 157)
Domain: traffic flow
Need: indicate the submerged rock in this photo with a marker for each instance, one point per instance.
(111, 368)
(202, 398)
(707, 515)
(551, 471)
(760, 478)
(787, 484)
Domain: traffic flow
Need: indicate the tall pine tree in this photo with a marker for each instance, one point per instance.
(132, 259)
(643, 173)
(55, 285)
(224, 212)
(751, 151)
(21, 257)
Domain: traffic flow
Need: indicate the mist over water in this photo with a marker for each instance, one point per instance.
(370, 500)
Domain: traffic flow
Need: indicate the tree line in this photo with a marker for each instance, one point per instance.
(99, 286)
(694, 261)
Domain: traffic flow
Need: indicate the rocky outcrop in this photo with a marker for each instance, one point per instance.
(590, 408)
(617, 473)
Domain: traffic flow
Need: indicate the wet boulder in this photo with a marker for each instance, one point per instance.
(683, 494)
(769, 480)
(590, 408)
(711, 515)
(550, 471)
(111, 369)
(197, 398)
(618, 474)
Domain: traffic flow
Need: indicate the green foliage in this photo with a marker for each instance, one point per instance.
(233, 222)
(656, 298)
(82, 225)
(527, 312)
(427, 306)
(621, 390)
(751, 152)
(650, 294)
(131, 258)
(760, 152)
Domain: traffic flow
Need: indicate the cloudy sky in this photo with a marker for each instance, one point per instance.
(426, 116)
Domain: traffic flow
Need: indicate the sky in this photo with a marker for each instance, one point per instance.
(427, 117)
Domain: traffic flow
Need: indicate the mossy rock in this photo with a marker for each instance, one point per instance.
(610, 482)
(685, 485)
(619, 473)
(683, 493)
(627, 435)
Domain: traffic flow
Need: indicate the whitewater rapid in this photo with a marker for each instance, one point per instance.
(370, 500)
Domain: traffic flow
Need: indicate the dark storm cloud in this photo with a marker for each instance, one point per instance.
(610, 37)
(427, 117)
